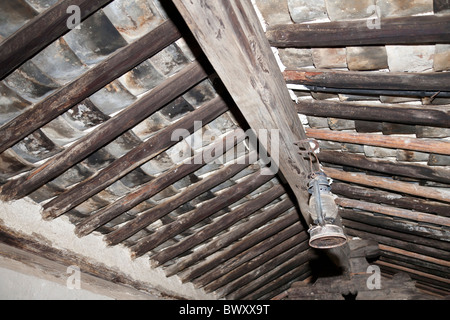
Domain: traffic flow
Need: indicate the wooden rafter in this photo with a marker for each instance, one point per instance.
(168, 90)
(272, 230)
(225, 198)
(142, 153)
(250, 260)
(415, 144)
(273, 269)
(389, 184)
(149, 216)
(231, 36)
(387, 112)
(410, 170)
(217, 226)
(429, 81)
(393, 199)
(394, 212)
(403, 30)
(41, 31)
(224, 240)
(87, 84)
(162, 181)
(421, 231)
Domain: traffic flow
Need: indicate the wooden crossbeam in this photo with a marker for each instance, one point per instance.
(272, 288)
(87, 84)
(162, 181)
(231, 36)
(249, 260)
(221, 224)
(272, 270)
(393, 199)
(290, 220)
(422, 233)
(389, 113)
(40, 32)
(410, 170)
(415, 144)
(403, 30)
(193, 217)
(149, 216)
(231, 236)
(401, 244)
(389, 184)
(142, 153)
(394, 212)
(414, 255)
(105, 133)
(429, 81)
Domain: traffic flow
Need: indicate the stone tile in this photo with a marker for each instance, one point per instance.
(368, 126)
(412, 156)
(274, 11)
(393, 99)
(378, 152)
(397, 128)
(316, 122)
(439, 160)
(341, 124)
(432, 132)
(367, 58)
(397, 8)
(293, 58)
(349, 9)
(410, 58)
(442, 57)
(441, 6)
(329, 57)
(353, 148)
(307, 10)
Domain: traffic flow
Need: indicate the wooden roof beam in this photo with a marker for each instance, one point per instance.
(40, 32)
(393, 199)
(219, 225)
(231, 36)
(273, 231)
(149, 216)
(87, 84)
(405, 114)
(149, 189)
(231, 236)
(250, 260)
(390, 184)
(423, 81)
(409, 170)
(106, 132)
(371, 139)
(403, 30)
(222, 200)
(142, 153)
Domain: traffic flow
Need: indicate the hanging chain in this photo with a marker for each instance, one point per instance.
(310, 152)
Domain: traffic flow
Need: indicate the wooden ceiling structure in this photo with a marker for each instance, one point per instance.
(88, 122)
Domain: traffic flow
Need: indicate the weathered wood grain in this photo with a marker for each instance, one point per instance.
(401, 30)
(87, 84)
(40, 32)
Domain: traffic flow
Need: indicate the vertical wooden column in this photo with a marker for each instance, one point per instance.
(232, 38)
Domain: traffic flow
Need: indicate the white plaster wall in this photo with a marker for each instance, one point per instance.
(24, 216)
(18, 286)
